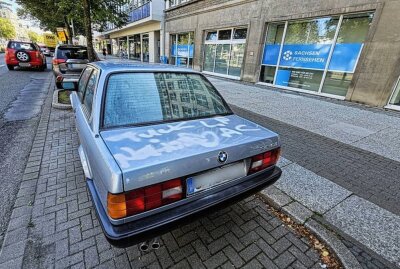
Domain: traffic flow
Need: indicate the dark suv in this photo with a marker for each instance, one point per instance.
(68, 62)
(24, 54)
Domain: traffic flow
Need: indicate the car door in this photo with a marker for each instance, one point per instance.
(82, 103)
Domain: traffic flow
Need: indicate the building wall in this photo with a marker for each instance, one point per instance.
(378, 67)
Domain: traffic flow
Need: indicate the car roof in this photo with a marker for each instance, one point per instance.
(124, 65)
(17, 41)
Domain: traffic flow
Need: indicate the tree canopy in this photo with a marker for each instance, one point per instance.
(35, 37)
(87, 15)
(7, 29)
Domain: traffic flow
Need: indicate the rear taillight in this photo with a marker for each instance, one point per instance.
(58, 61)
(264, 160)
(140, 200)
(37, 54)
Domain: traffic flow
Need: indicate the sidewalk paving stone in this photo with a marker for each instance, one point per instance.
(364, 221)
(374, 130)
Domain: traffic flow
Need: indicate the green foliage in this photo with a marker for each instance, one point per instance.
(35, 37)
(7, 30)
(58, 13)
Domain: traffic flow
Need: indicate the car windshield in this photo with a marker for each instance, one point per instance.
(143, 98)
(72, 53)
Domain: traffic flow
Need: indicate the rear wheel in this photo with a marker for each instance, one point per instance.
(10, 67)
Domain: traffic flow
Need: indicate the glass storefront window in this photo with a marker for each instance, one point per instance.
(395, 100)
(211, 36)
(224, 34)
(273, 43)
(240, 34)
(236, 60)
(209, 57)
(135, 48)
(349, 44)
(317, 55)
(224, 52)
(222, 58)
(182, 49)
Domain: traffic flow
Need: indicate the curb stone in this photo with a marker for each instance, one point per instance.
(58, 105)
(302, 215)
(13, 247)
(342, 252)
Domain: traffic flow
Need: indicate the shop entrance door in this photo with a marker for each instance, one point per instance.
(145, 48)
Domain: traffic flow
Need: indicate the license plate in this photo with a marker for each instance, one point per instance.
(25, 64)
(215, 177)
(77, 66)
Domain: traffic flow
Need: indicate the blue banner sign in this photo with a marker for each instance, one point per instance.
(314, 56)
(182, 50)
(345, 57)
(140, 13)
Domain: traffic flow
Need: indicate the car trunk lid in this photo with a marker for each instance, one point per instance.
(152, 154)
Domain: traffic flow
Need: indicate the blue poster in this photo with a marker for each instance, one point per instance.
(314, 56)
(183, 51)
(283, 77)
(271, 54)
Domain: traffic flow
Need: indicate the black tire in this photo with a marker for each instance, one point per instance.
(59, 85)
(10, 67)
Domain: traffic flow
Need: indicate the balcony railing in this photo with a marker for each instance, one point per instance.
(140, 13)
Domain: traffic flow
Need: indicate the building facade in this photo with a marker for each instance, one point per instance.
(141, 38)
(21, 30)
(342, 49)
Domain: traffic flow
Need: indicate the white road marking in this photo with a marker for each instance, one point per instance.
(2, 65)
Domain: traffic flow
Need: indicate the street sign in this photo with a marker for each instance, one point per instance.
(61, 34)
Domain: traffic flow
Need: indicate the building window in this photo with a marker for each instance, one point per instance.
(182, 49)
(317, 55)
(173, 3)
(395, 100)
(224, 51)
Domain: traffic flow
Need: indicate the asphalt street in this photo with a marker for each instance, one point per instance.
(18, 90)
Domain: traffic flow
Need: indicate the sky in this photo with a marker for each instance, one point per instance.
(25, 22)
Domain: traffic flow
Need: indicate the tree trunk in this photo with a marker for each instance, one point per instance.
(69, 37)
(88, 30)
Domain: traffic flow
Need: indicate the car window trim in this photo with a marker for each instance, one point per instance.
(104, 95)
(94, 91)
(84, 91)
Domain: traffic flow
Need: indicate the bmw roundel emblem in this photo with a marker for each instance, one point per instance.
(222, 157)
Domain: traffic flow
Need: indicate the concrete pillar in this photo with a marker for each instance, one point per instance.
(154, 41)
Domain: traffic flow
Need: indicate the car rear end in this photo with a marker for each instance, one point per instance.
(182, 153)
(68, 62)
(24, 54)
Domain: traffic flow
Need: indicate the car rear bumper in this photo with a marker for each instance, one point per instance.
(149, 227)
(32, 64)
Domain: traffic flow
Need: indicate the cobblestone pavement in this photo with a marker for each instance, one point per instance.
(369, 175)
(366, 260)
(53, 223)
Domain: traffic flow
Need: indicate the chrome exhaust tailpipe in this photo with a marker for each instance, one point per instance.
(155, 243)
(144, 246)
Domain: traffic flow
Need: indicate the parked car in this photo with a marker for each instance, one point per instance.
(24, 54)
(45, 50)
(68, 62)
(160, 147)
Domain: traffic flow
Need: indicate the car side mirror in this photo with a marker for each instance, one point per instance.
(70, 85)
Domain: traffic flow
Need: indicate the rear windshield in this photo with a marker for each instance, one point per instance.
(72, 53)
(21, 46)
(143, 98)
